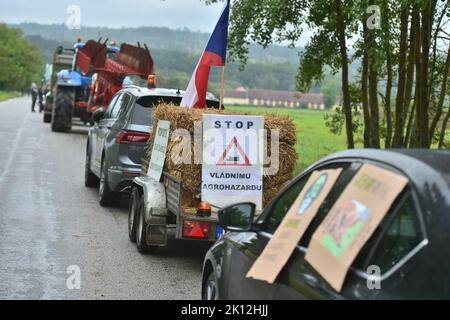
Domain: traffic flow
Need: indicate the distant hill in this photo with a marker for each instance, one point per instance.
(155, 37)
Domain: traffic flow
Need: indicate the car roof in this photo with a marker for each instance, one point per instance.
(424, 168)
(142, 91)
(438, 159)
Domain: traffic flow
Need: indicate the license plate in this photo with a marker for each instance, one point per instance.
(219, 231)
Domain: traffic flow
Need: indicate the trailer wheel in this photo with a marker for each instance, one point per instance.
(132, 214)
(141, 230)
(62, 109)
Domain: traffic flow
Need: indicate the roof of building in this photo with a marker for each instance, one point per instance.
(275, 95)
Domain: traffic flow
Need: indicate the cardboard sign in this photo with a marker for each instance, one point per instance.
(232, 169)
(352, 220)
(288, 234)
(159, 150)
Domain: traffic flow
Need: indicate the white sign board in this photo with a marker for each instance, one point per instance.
(232, 168)
(159, 150)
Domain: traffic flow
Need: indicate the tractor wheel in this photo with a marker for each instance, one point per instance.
(62, 109)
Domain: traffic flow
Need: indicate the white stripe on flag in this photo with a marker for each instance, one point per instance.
(190, 97)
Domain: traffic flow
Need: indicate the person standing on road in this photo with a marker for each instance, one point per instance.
(34, 93)
(40, 97)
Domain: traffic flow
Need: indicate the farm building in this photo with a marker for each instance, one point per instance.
(274, 98)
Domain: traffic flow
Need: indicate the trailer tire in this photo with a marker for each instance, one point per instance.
(63, 109)
(132, 214)
(141, 230)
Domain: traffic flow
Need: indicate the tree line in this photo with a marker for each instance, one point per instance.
(403, 45)
(21, 63)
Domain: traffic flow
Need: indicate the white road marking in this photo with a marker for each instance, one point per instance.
(15, 146)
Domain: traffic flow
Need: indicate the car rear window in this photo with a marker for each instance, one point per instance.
(142, 112)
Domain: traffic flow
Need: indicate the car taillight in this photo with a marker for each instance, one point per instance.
(130, 136)
(195, 229)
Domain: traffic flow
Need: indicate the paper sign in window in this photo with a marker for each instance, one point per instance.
(352, 220)
(291, 229)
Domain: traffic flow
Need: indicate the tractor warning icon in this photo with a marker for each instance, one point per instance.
(234, 155)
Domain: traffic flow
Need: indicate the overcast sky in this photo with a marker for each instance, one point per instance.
(193, 14)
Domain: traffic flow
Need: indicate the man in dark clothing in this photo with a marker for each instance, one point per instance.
(40, 97)
(34, 93)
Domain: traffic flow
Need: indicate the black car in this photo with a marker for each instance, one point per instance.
(410, 245)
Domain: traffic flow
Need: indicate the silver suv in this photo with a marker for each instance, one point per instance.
(115, 144)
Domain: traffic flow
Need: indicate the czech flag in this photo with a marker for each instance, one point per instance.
(214, 55)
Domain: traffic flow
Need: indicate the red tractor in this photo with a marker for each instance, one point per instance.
(110, 74)
(98, 73)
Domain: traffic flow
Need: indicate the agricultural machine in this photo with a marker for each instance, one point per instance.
(97, 74)
(62, 59)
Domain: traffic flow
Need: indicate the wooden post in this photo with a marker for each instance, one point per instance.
(221, 88)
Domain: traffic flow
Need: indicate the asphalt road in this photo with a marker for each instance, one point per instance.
(49, 221)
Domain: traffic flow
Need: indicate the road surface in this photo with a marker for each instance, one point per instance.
(49, 222)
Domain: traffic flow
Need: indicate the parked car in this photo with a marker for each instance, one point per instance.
(410, 245)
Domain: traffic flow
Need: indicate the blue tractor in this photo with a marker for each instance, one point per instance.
(73, 86)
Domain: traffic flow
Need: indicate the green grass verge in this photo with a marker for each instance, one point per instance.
(314, 140)
(5, 95)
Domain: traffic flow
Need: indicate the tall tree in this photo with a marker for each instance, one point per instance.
(386, 36)
(341, 34)
(427, 16)
(440, 103)
(364, 91)
(400, 100)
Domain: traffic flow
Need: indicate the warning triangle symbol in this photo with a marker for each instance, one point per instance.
(228, 159)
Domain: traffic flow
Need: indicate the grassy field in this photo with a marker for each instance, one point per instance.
(314, 140)
(5, 95)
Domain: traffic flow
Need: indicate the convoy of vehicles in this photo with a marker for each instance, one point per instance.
(409, 246)
(88, 81)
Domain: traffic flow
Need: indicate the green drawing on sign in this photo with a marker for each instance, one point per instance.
(312, 193)
(341, 233)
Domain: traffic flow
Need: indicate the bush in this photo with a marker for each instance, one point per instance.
(20, 62)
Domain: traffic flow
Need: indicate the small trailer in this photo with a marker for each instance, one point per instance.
(156, 207)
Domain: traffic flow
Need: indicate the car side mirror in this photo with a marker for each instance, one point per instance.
(238, 217)
(98, 115)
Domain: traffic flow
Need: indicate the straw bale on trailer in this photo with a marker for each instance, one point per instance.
(191, 174)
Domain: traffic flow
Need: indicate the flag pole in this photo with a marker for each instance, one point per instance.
(221, 88)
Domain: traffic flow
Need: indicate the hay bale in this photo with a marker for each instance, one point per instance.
(191, 174)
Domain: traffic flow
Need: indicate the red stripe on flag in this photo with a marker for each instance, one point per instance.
(202, 75)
